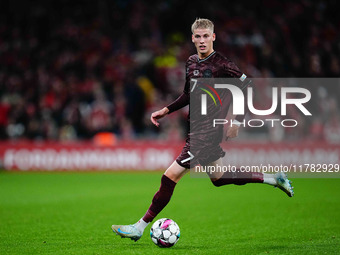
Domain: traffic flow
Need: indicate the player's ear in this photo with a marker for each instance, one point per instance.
(192, 37)
(214, 36)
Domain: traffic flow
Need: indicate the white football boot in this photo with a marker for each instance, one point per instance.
(284, 184)
(127, 231)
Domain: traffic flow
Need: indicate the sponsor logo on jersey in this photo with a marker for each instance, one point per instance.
(196, 72)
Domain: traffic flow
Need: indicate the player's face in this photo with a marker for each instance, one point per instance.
(203, 40)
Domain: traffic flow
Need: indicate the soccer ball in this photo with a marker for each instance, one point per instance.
(165, 233)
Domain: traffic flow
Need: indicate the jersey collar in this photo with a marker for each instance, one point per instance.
(204, 59)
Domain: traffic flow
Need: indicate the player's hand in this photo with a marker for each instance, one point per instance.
(232, 131)
(158, 115)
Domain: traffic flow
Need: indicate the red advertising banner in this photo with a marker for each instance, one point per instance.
(53, 156)
(87, 156)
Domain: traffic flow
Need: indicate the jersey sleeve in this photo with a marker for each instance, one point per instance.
(180, 102)
(187, 78)
(231, 69)
(184, 98)
(242, 82)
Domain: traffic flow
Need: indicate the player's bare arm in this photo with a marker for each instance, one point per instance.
(158, 115)
(232, 131)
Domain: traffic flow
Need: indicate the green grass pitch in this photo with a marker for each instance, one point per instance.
(72, 213)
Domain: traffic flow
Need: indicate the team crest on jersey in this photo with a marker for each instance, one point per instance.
(207, 73)
(196, 72)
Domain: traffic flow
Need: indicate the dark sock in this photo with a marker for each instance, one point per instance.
(161, 198)
(239, 178)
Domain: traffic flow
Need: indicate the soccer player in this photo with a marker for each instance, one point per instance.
(207, 152)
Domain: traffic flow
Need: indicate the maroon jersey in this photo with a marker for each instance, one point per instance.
(213, 66)
(206, 71)
(202, 143)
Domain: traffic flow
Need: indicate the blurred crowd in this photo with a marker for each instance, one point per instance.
(72, 69)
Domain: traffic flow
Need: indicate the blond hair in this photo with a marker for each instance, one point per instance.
(202, 24)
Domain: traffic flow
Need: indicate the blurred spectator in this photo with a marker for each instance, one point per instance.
(69, 70)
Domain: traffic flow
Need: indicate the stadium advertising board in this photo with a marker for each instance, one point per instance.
(143, 156)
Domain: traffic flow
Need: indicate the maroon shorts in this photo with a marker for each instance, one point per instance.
(199, 153)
